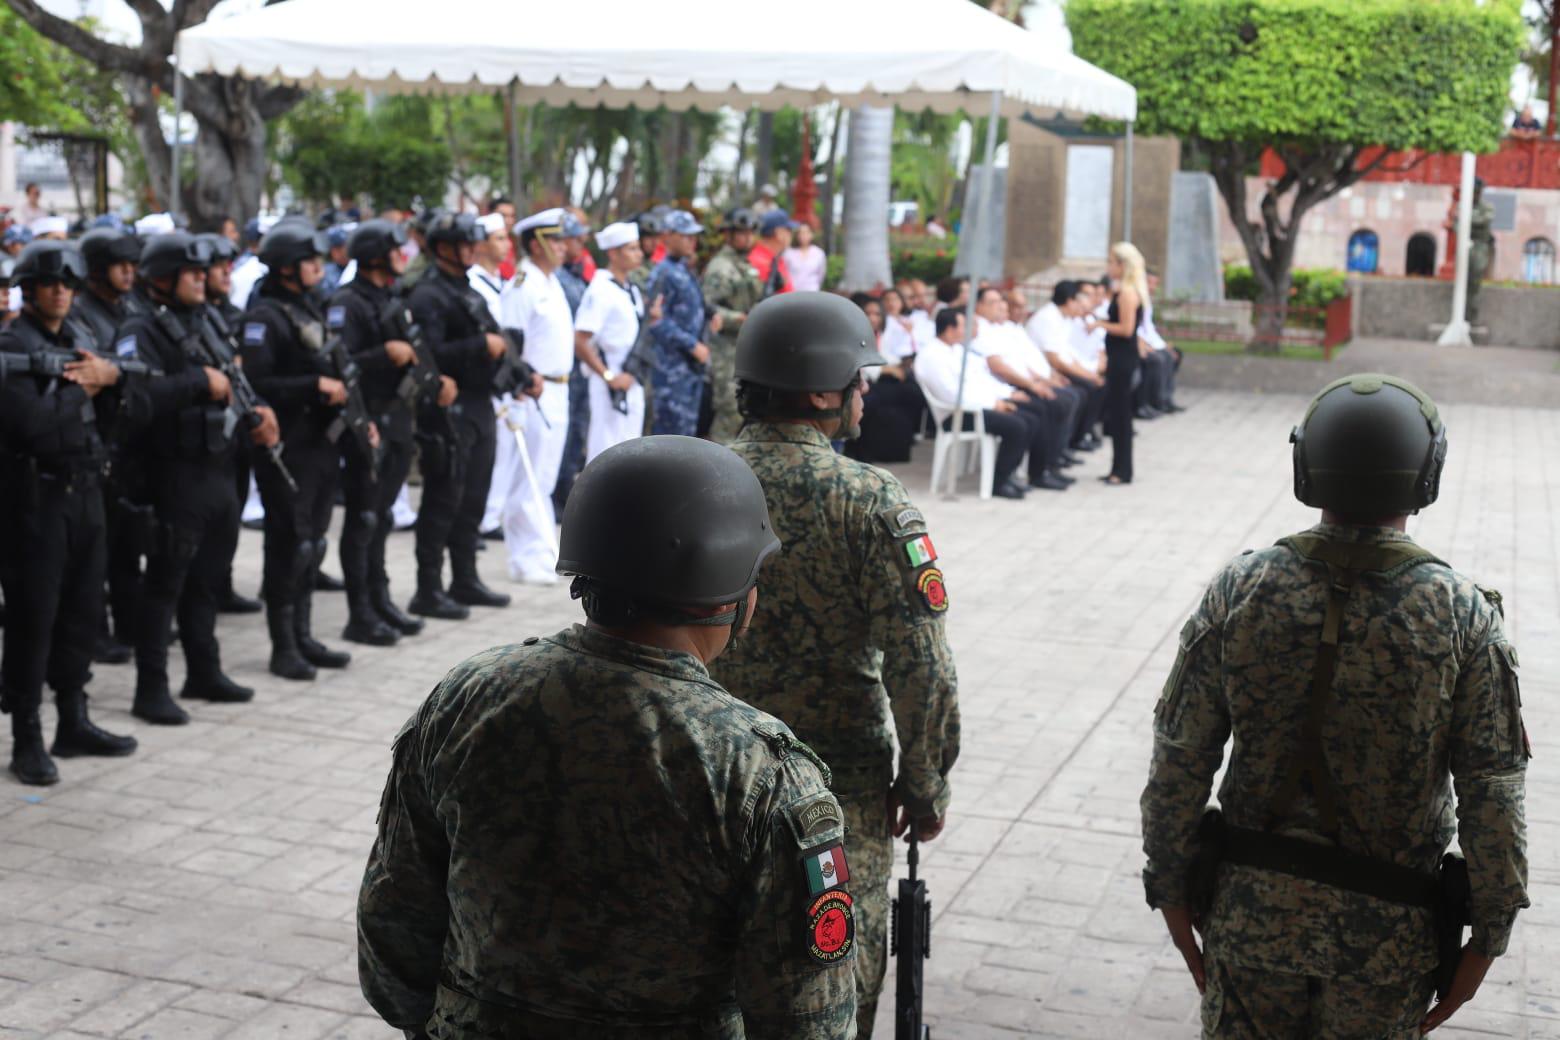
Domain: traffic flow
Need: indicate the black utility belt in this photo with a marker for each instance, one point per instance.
(1330, 865)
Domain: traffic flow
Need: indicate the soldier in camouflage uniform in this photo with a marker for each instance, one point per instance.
(851, 627)
(1363, 679)
(732, 287)
(584, 835)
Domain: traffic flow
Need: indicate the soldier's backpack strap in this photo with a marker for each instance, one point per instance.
(1345, 562)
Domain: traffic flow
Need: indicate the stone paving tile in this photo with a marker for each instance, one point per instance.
(205, 886)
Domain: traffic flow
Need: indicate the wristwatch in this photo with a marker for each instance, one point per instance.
(609, 375)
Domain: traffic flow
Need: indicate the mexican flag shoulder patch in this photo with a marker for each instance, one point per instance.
(826, 868)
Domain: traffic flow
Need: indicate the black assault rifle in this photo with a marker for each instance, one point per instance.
(354, 417)
(418, 391)
(51, 364)
(910, 940)
(511, 374)
(206, 348)
(640, 361)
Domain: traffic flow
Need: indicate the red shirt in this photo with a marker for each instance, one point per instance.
(763, 258)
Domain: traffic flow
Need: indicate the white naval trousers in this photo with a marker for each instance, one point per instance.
(530, 528)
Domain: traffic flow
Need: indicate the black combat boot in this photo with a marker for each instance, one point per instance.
(286, 660)
(364, 624)
(230, 602)
(77, 734)
(391, 614)
(314, 651)
(431, 600)
(212, 685)
(29, 761)
(154, 704)
(108, 650)
(466, 587)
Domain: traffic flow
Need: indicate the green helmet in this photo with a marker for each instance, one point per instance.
(657, 525)
(1369, 446)
(806, 342)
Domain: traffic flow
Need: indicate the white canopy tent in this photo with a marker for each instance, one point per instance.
(943, 55)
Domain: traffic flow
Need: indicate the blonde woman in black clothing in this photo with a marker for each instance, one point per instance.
(1127, 273)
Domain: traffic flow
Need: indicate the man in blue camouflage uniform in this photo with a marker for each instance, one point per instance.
(1364, 680)
(681, 357)
(571, 275)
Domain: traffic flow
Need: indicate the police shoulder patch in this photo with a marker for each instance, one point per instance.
(831, 927)
(336, 316)
(125, 348)
(254, 333)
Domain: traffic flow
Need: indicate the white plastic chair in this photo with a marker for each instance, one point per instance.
(949, 441)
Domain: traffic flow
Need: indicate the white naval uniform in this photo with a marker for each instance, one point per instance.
(535, 303)
(611, 312)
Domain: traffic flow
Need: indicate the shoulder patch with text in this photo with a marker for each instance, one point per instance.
(831, 927)
(930, 585)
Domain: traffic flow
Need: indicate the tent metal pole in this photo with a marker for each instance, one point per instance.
(975, 240)
(1126, 173)
(512, 125)
(178, 111)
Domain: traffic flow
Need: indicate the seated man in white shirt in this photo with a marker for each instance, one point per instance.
(1017, 431)
(1051, 328)
(1161, 360)
(1018, 363)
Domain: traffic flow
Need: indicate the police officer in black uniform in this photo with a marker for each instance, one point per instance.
(188, 452)
(284, 354)
(448, 310)
(101, 306)
(51, 514)
(228, 319)
(399, 378)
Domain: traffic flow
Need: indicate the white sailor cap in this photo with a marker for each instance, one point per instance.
(619, 234)
(493, 224)
(154, 224)
(547, 222)
(49, 226)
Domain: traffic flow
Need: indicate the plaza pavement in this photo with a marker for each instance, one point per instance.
(205, 886)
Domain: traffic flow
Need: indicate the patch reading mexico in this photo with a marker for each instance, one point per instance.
(826, 868)
(831, 927)
(902, 520)
(920, 552)
(930, 586)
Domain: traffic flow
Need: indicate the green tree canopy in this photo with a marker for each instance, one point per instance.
(1318, 81)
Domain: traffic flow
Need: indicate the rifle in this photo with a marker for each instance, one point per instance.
(910, 940)
(354, 417)
(511, 375)
(207, 349)
(418, 390)
(51, 364)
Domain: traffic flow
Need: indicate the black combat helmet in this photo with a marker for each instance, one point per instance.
(740, 219)
(290, 242)
(374, 240)
(105, 246)
(1370, 446)
(166, 255)
(657, 525)
(650, 223)
(222, 247)
(809, 342)
(49, 261)
(454, 228)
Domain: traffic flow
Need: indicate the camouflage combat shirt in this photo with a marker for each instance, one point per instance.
(582, 836)
(1425, 699)
(850, 617)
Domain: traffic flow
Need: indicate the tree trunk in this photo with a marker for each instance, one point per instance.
(866, 198)
(737, 193)
(764, 160)
(147, 123)
(831, 179)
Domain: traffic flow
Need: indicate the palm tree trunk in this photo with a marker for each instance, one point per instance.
(866, 197)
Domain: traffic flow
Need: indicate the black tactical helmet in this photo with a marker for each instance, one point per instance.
(455, 228)
(812, 342)
(374, 240)
(1370, 446)
(740, 219)
(49, 261)
(650, 223)
(425, 219)
(166, 255)
(222, 247)
(104, 246)
(661, 523)
(290, 242)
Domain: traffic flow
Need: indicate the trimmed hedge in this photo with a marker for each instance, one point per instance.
(1313, 288)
